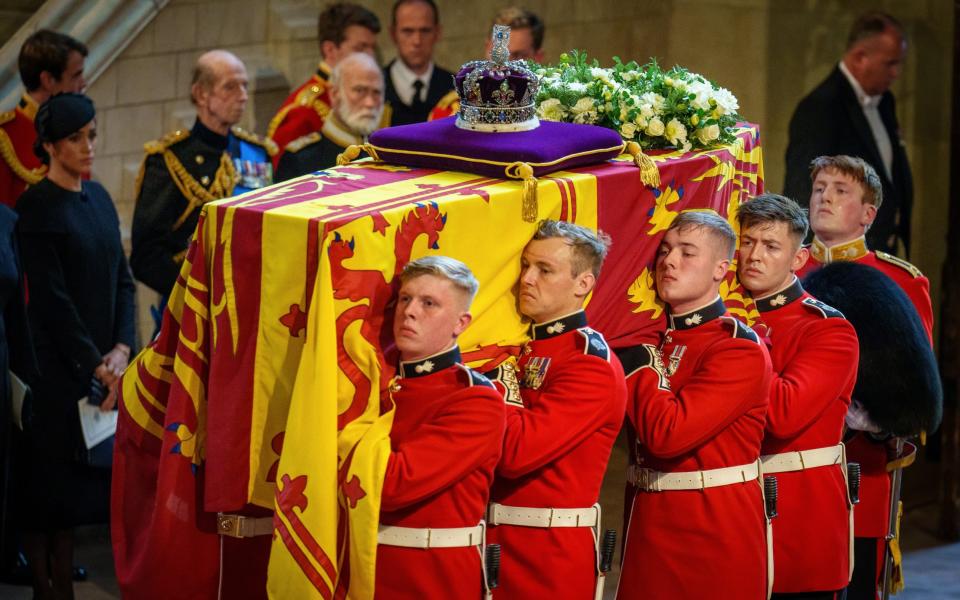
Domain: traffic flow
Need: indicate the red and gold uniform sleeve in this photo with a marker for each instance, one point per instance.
(450, 445)
(819, 373)
(919, 293)
(733, 375)
(576, 404)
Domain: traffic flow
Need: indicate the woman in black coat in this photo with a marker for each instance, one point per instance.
(81, 311)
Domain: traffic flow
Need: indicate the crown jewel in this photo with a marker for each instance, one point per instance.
(497, 94)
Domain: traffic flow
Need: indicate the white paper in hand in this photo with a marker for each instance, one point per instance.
(20, 391)
(97, 425)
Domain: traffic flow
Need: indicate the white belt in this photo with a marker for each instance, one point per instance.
(648, 480)
(239, 526)
(430, 537)
(498, 514)
(802, 459)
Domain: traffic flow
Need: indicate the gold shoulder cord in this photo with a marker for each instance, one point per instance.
(9, 154)
(224, 180)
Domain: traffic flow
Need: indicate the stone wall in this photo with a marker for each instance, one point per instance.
(768, 52)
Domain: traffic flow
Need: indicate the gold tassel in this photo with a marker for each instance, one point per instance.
(923, 437)
(521, 170)
(649, 173)
(348, 155)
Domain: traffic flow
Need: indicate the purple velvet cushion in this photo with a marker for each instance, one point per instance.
(442, 145)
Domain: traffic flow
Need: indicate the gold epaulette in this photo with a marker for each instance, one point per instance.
(9, 155)
(448, 100)
(302, 142)
(306, 97)
(267, 144)
(896, 260)
(158, 146)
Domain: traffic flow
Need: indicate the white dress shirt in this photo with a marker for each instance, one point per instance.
(871, 110)
(403, 78)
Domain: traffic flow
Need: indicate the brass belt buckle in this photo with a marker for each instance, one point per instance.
(229, 525)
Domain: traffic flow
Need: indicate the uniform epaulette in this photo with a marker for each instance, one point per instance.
(644, 356)
(267, 144)
(741, 330)
(7, 116)
(476, 379)
(448, 100)
(303, 141)
(896, 260)
(158, 146)
(506, 375)
(824, 309)
(594, 344)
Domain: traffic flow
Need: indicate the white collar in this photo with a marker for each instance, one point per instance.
(862, 97)
(403, 79)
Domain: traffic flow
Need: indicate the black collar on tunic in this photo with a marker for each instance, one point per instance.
(700, 316)
(554, 327)
(210, 137)
(430, 364)
(776, 300)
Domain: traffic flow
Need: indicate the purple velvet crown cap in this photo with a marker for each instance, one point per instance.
(497, 95)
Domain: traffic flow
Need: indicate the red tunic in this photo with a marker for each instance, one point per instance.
(814, 354)
(710, 415)
(871, 517)
(448, 106)
(446, 440)
(555, 453)
(19, 166)
(302, 113)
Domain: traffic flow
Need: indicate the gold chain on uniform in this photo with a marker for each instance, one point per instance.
(31, 176)
(224, 180)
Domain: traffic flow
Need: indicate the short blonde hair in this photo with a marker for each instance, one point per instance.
(448, 268)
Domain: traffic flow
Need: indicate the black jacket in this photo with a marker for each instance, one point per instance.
(830, 121)
(80, 294)
(441, 83)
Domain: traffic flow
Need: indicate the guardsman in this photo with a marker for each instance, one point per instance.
(844, 200)
(544, 510)
(343, 29)
(50, 63)
(417, 89)
(186, 169)
(445, 442)
(356, 94)
(698, 403)
(814, 353)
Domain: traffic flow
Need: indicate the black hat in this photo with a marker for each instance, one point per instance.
(59, 117)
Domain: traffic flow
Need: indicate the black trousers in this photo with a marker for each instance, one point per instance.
(865, 580)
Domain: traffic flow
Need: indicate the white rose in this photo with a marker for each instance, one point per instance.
(655, 100)
(675, 133)
(576, 86)
(551, 109)
(701, 94)
(726, 101)
(708, 134)
(655, 127)
(601, 74)
(628, 130)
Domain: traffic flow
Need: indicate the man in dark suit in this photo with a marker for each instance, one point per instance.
(415, 86)
(853, 112)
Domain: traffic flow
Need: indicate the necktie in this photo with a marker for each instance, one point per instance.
(417, 89)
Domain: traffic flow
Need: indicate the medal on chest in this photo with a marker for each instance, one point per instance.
(535, 371)
(676, 355)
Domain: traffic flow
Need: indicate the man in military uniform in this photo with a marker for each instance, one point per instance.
(697, 399)
(560, 431)
(356, 95)
(417, 89)
(843, 205)
(445, 442)
(814, 353)
(343, 29)
(186, 169)
(50, 63)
